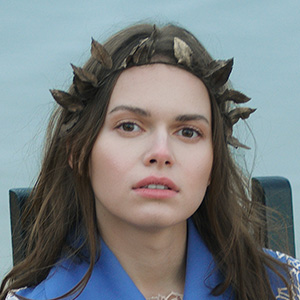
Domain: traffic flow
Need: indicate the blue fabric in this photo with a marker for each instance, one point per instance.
(109, 281)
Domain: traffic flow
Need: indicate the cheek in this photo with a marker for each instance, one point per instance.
(102, 166)
(202, 178)
(197, 171)
(208, 169)
(200, 166)
(108, 166)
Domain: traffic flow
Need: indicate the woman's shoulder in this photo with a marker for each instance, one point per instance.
(294, 272)
(60, 280)
(37, 292)
(294, 263)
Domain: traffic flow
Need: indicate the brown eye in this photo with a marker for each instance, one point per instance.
(129, 127)
(189, 133)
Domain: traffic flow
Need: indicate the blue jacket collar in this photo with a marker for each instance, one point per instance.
(109, 281)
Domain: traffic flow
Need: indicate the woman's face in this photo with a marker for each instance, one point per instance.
(151, 163)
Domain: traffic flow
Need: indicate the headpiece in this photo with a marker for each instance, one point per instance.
(215, 76)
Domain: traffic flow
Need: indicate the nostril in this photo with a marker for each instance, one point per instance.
(153, 161)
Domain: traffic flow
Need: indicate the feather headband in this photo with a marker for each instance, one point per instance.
(215, 77)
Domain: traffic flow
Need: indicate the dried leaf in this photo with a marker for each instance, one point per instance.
(101, 54)
(67, 101)
(131, 54)
(232, 95)
(68, 126)
(182, 52)
(228, 130)
(81, 87)
(125, 62)
(236, 143)
(140, 54)
(85, 76)
(220, 72)
(154, 33)
(240, 113)
(151, 42)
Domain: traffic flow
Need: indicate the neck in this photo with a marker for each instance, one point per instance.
(154, 260)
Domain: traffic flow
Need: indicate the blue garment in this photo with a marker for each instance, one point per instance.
(109, 281)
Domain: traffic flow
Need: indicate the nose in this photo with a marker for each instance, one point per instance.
(159, 152)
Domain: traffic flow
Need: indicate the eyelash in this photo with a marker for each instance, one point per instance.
(195, 132)
(121, 126)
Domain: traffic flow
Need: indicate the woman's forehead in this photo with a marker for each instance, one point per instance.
(160, 83)
(160, 88)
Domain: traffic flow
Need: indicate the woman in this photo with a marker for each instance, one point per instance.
(139, 196)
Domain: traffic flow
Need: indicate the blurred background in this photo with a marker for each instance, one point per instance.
(39, 40)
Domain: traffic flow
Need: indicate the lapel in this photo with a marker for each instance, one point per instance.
(109, 281)
(201, 275)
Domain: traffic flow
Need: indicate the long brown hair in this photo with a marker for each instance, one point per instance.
(61, 207)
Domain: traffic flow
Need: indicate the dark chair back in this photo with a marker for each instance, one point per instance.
(274, 192)
(17, 199)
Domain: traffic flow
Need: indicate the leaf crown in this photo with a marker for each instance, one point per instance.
(215, 77)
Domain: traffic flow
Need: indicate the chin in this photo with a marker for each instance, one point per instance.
(159, 221)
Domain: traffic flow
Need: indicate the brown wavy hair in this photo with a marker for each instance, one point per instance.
(61, 207)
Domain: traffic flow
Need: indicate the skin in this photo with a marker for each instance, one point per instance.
(158, 124)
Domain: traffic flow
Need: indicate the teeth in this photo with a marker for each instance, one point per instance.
(156, 187)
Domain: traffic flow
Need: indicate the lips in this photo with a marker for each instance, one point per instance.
(156, 183)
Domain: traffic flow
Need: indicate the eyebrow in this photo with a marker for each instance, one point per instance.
(191, 117)
(132, 109)
(144, 113)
